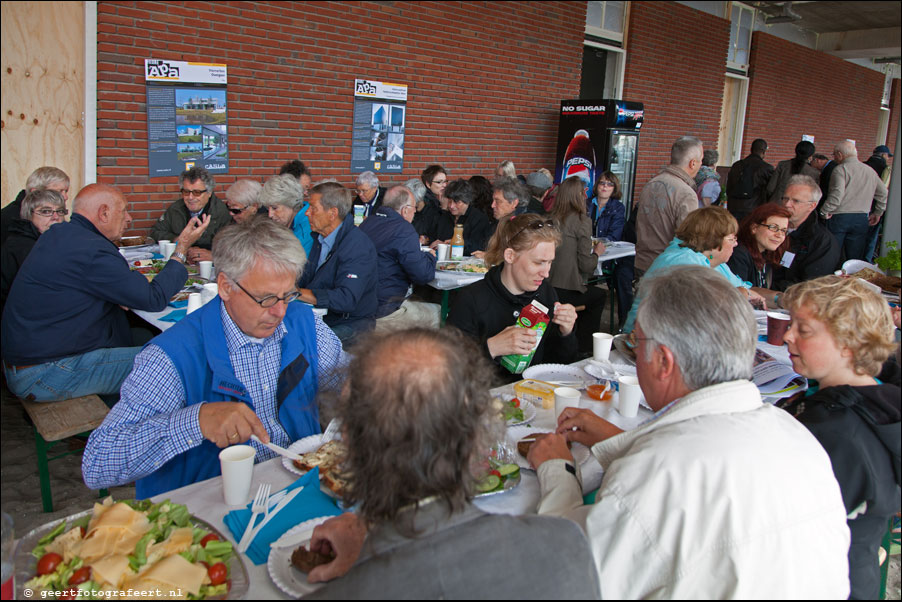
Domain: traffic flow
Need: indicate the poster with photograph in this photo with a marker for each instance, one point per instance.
(187, 117)
(380, 112)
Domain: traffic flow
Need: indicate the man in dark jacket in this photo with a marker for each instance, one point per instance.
(477, 228)
(369, 194)
(341, 272)
(401, 262)
(747, 180)
(813, 251)
(65, 332)
(196, 188)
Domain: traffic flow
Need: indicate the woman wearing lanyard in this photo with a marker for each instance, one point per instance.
(762, 241)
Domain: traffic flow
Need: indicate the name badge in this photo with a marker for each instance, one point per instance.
(787, 259)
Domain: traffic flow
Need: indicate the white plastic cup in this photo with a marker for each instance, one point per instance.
(237, 463)
(211, 289)
(628, 398)
(206, 269)
(195, 301)
(442, 252)
(565, 397)
(601, 346)
(161, 243)
(167, 250)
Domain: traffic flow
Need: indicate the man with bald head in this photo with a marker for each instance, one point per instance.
(65, 331)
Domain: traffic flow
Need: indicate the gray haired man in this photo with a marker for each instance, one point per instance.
(369, 194)
(197, 199)
(717, 489)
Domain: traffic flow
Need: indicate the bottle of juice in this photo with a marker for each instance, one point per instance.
(535, 316)
(457, 242)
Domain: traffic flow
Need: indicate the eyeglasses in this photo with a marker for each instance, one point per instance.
(606, 184)
(775, 228)
(48, 212)
(236, 211)
(269, 300)
(787, 199)
(731, 239)
(534, 226)
(414, 207)
(439, 181)
(193, 193)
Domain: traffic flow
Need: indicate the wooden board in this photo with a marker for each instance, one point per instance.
(43, 92)
(57, 420)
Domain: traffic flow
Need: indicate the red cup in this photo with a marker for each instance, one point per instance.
(777, 325)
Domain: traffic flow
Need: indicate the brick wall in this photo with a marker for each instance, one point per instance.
(794, 90)
(485, 80)
(675, 64)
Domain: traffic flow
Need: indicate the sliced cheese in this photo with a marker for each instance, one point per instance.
(178, 573)
(179, 541)
(111, 570)
(67, 544)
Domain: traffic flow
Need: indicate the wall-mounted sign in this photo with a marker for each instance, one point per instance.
(187, 117)
(380, 114)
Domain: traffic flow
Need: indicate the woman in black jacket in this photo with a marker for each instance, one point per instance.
(841, 332)
(520, 253)
(763, 239)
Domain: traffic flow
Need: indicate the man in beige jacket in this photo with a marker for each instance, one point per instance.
(666, 200)
(853, 186)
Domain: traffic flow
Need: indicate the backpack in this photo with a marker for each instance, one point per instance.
(744, 185)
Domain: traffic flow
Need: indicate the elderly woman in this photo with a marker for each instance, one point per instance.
(40, 209)
(707, 179)
(576, 259)
(43, 178)
(840, 334)
(243, 202)
(763, 238)
(520, 253)
(423, 535)
(706, 237)
(283, 196)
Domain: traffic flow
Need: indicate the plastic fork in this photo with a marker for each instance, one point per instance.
(260, 506)
(332, 429)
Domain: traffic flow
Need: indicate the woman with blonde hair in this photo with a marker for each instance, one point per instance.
(706, 237)
(576, 259)
(520, 255)
(840, 334)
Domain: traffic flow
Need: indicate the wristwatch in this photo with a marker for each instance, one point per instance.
(179, 257)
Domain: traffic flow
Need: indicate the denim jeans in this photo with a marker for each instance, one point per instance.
(96, 372)
(851, 232)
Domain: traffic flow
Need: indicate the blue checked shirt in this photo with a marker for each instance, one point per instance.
(151, 425)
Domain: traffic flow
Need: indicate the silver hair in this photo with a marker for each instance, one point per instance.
(507, 169)
(513, 190)
(36, 198)
(368, 179)
(197, 173)
(847, 148)
(710, 157)
(802, 180)
(43, 177)
(685, 149)
(398, 196)
(706, 323)
(282, 190)
(237, 247)
(333, 196)
(245, 192)
(416, 186)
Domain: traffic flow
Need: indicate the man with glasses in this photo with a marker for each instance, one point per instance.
(369, 194)
(249, 362)
(401, 262)
(813, 251)
(197, 199)
(65, 329)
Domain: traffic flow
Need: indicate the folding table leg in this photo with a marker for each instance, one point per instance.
(43, 471)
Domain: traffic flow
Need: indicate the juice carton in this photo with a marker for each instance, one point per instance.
(535, 316)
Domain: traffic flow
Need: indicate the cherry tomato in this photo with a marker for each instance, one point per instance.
(515, 402)
(80, 576)
(496, 473)
(48, 563)
(218, 573)
(208, 538)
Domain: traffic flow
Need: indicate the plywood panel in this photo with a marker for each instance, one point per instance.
(42, 92)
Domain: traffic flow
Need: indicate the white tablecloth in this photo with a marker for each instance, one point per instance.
(615, 250)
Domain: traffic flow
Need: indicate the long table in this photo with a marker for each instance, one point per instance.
(155, 318)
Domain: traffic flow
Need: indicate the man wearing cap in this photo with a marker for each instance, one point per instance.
(539, 184)
(856, 200)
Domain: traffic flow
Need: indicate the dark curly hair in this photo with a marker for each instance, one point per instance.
(417, 417)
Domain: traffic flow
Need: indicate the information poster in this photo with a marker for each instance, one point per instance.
(187, 117)
(380, 113)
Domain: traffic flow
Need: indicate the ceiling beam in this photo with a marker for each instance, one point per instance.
(862, 43)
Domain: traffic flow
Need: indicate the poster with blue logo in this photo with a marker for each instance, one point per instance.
(187, 117)
(380, 115)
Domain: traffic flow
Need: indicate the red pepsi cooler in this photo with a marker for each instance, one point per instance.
(595, 136)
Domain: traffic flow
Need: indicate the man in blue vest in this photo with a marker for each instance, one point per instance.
(248, 362)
